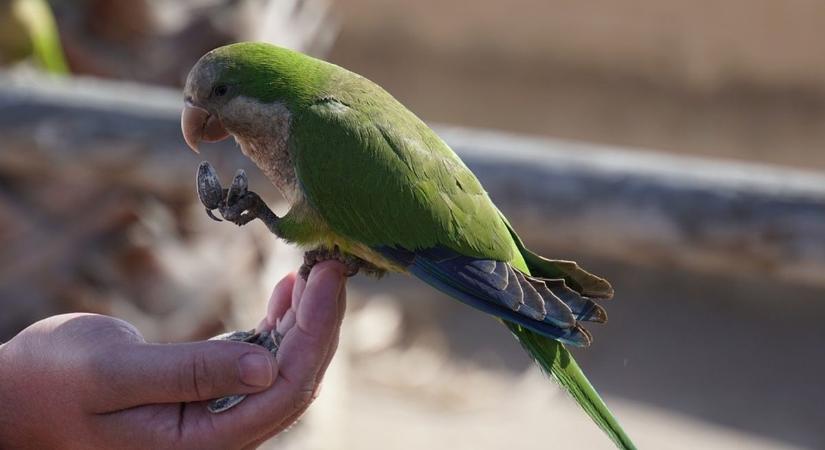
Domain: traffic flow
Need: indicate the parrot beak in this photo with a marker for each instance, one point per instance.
(198, 125)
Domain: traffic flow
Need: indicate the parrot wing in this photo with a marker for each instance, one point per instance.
(547, 307)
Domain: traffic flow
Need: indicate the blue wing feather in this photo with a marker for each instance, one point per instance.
(494, 287)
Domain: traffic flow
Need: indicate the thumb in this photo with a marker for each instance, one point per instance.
(140, 374)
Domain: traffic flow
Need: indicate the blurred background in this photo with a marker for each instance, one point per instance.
(675, 147)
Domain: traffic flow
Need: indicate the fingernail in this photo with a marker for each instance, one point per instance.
(255, 369)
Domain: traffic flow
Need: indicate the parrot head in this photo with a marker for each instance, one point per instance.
(227, 78)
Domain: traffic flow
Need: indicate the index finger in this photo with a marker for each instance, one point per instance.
(279, 302)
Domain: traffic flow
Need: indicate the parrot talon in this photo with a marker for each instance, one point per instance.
(237, 204)
(241, 209)
(246, 208)
(213, 216)
(354, 264)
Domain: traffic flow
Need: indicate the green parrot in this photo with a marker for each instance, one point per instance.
(372, 185)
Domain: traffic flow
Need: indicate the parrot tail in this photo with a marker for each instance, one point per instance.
(551, 355)
(555, 360)
(508, 292)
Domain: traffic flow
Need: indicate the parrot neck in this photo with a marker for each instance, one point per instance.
(262, 131)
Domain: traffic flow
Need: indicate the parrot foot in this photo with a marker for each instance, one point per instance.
(354, 264)
(270, 340)
(237, 204)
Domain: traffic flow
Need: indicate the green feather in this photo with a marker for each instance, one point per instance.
(379, 176)
(578, 279)
(554, 359)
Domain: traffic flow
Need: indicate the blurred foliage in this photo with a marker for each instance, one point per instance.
(28, 29)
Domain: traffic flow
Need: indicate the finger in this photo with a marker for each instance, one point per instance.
(298, 291)
(281, 298)
(277, 428)
(286, 322)
(138, 374)
(316, 321)
(279, 302)
(342, 307)
(304, 352)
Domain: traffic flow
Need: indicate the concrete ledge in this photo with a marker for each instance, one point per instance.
(634, 207)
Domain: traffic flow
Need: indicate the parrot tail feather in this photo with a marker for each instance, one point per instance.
(576, 278)
(583, 308)
(495, 287)
(555, 360)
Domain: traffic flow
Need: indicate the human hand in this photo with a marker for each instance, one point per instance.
(91, 381)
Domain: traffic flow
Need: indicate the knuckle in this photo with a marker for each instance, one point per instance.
(96, 380)
(100, 330)
(95, 365)
(196, 376)
(195, 433)
(305, 396)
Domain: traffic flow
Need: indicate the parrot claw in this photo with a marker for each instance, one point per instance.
(237, 204)
(213, 216)
(354, 264)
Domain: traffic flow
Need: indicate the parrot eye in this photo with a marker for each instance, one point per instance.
(220, 90)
